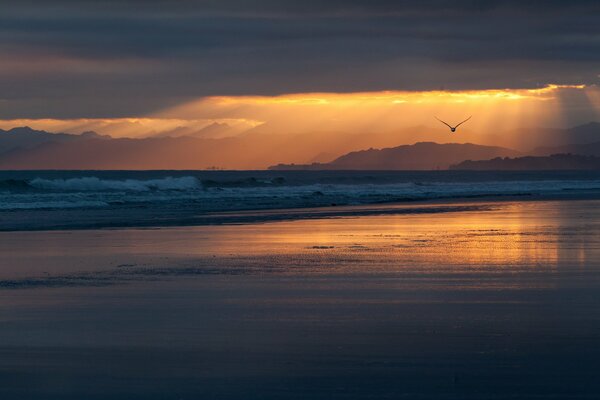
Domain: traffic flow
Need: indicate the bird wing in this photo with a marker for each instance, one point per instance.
(443, 122)
(464, 121)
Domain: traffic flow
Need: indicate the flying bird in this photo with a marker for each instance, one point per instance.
(453, 128)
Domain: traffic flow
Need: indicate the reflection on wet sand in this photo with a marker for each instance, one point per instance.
(462, 305)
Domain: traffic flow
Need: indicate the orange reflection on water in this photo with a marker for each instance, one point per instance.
(497, 239)
(512, 237)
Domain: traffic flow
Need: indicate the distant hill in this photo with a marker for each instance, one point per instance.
(585, 133)
(589, 149)
(252, 150)
(25, 148)
(554, 137)
(26, 138)
(419, 156)
(552, 162)
(215, 130)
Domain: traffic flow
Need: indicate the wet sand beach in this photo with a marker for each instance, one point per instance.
(493, 301)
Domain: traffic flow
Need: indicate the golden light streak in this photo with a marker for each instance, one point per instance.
(499, 115)
(497, 112)
(593, 95)
(395, 97)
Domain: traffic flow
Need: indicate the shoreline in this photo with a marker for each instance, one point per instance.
(258, 216)
(484, 304)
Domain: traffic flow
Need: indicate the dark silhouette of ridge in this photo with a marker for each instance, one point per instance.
(26, 148)
(419, 156)
(588, 149)
(532, 139)
(21, 138)
(552, 162)
(254, 150)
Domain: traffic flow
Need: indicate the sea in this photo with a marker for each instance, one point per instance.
(321, 285)
(34, 200)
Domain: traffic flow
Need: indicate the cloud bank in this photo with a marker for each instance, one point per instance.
(109, 59)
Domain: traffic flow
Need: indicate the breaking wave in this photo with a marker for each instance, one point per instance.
(42, 205)
(92, 184)
(197, 192)
(97, 184)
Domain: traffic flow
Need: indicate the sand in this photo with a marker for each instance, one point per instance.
(492, 302)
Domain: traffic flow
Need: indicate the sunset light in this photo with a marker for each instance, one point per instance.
(299, 200)
(496, 111)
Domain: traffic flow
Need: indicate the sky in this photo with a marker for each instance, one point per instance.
(139, 68)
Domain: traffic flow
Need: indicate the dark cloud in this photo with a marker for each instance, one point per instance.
(116, 58)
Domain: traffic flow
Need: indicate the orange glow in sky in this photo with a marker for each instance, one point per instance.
(496, 113)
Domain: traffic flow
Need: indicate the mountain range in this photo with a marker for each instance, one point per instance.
(531, 138)
(26, 148)
(589, 149)
(25, 138)
(552, 162)
(420, 156)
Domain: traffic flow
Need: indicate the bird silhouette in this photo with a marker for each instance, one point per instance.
(453, 128)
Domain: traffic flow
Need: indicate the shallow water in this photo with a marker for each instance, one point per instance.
(36, 200)
(498, 301)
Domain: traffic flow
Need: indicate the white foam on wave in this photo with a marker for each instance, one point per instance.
(96, 184)
(188, 193)
(37, 205)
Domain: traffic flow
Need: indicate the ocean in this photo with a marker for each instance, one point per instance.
(172, 285)
(32, 200)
